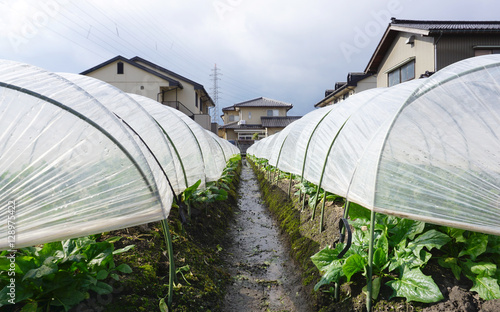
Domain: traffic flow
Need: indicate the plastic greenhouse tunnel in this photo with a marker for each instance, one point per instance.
(424, 150)
(72, 163)
(80, 157)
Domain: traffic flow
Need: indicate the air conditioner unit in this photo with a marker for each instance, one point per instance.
(242, 122)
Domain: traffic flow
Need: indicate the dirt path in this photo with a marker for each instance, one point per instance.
(264, 276)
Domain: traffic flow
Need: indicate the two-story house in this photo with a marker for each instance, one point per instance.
(139, 76)
(254, 119)
(412, 49)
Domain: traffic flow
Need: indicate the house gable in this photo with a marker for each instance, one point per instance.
(110, 67)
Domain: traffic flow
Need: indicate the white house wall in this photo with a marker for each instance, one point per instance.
(365, 84)
(133, 80)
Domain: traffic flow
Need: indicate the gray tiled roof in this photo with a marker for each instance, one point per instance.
(263, 102)
(278, 122)
(449, 25)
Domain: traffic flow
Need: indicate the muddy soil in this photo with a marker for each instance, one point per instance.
(264, 277)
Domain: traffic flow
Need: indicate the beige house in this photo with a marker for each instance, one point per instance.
(254, 119)
(139, 76)
(411, 49)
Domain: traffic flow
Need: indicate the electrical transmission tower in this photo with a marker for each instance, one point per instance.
(215, 92)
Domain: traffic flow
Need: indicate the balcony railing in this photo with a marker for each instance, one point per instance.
(180, 107)
(201, 119)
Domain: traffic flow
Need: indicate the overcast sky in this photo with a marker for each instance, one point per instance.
(289, 51)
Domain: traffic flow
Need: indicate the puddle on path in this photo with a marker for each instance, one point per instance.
(264, 278)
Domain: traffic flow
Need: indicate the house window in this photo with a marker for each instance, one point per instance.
(233, 118)
(249, 115)
(196, 99)
(479, 52)
(401, 74)
(273, 112)
(119, 68)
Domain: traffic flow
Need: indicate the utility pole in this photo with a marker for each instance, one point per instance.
(215, 92)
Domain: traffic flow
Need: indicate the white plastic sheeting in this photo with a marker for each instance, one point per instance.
(426, 150)
(78, 156)
(138, 122)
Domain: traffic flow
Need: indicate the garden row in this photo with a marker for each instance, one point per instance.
(425, 150)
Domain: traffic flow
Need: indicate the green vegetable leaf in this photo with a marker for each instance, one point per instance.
(326, 256)
(102, 288)
(190, 190)
(405, 228)
(406, 258)
(113, 239)
(357, 211)
(122, 250)
(375, 287)
(486, 287)
(380, 259)
(23, 292)
(43, 270)
(101, 258)
(69, 297)
(124, 268)
(476, 245)
(493, 244)
(457, 234)
(382, 243)
(354, 264)
(484, 269)
(163, 305)
(451, 263)
(332, 273)
(49, 250)
(430, 239)
(102, 274)
(415, 286)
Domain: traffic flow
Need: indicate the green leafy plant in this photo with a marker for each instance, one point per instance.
(476, 255)
(402, 247)
(308, 188)
(59, 275)
(214, 191)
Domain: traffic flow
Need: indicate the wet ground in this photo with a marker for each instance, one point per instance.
(264, 277)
